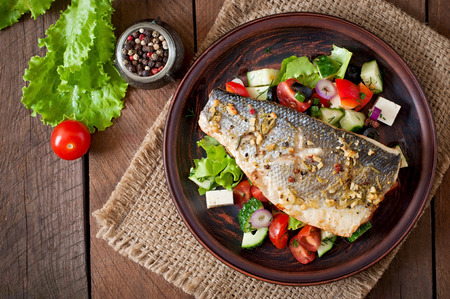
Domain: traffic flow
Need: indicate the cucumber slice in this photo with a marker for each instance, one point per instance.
(326, 68)
(206, 183)
(326, 245)
(254, 238)
(326, 235)
(361, 230)
(258, 92)
(331, 115)
(352, 121)
(262, 77)
(245, 214)
(371, 76)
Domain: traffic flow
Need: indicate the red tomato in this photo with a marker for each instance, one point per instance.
(348, 92)
(309, 237)
(287, 96)
(256, 193)
(278, 230)
(235, 87)
(365, 95)
(324, 102)
(70, 140)
(300, 253)
(241, 192)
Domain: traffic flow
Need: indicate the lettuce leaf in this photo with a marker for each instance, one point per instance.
(12, 10)
(301, 69)
(77, 79)
(216, 169)
(341, 58)
(294, 224)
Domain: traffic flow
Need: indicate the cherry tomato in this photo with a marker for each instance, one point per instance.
(287, 96)
(235, 87)
(70, 140)
(348, 92)
(324, 102)
(278, 230)
(309, 237)
(241, 193)
(256, 193)
(365, 95)
(300, 253)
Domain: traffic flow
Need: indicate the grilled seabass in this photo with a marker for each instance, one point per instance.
(318, 174)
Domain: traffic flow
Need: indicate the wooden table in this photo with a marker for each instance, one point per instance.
(48, 244)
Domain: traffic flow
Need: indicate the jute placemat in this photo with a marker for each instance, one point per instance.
(140, 221)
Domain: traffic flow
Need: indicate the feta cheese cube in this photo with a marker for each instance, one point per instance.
(389, 110)
(219, 198)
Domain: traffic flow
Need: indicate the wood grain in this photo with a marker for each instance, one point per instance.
(439, 16)
(442, 240)
(41, 209)
(114, 275)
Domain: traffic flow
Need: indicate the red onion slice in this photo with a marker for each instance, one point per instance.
(326, 89)
(261, 218)
(375, 113)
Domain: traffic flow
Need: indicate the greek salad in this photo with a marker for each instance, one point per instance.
(327, 87)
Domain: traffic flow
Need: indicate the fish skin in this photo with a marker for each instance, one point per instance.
(294, 161)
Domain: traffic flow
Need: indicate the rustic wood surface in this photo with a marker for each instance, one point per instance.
(48, 246)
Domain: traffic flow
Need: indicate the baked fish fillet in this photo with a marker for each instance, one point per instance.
(318, 174)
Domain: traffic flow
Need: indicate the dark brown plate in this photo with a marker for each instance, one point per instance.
(299, 34)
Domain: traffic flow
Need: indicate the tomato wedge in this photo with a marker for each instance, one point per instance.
(278, 233)
(235, 87)
(301, 254)
(348, 92)
(241, 193)
(365, 95)
(309, 238)
(287, 96)
(256, 193)
(324, 102)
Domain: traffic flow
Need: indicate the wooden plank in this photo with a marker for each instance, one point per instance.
(442, 240)
(41, 207)
(206, 14)
(416, 9)
(439, 16)
(112, 274)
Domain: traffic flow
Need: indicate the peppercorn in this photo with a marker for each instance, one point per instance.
(155, 33)
(135, 34)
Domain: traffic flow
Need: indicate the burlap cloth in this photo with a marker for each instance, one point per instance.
(140, 221)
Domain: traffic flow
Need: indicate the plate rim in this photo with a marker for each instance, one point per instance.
(425, 190)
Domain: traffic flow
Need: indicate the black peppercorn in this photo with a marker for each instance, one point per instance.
(135, 34)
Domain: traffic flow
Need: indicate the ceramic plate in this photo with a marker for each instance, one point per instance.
(264, 43)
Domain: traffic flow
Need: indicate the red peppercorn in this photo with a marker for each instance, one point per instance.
(141, 36)
(154, 71)
(291, 179)
(149, 54)
(131, 57)
(337, 168)
(160, 68)
(130, 37)
(252, 111)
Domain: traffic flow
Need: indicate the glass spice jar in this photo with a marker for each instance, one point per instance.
(159, 55)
